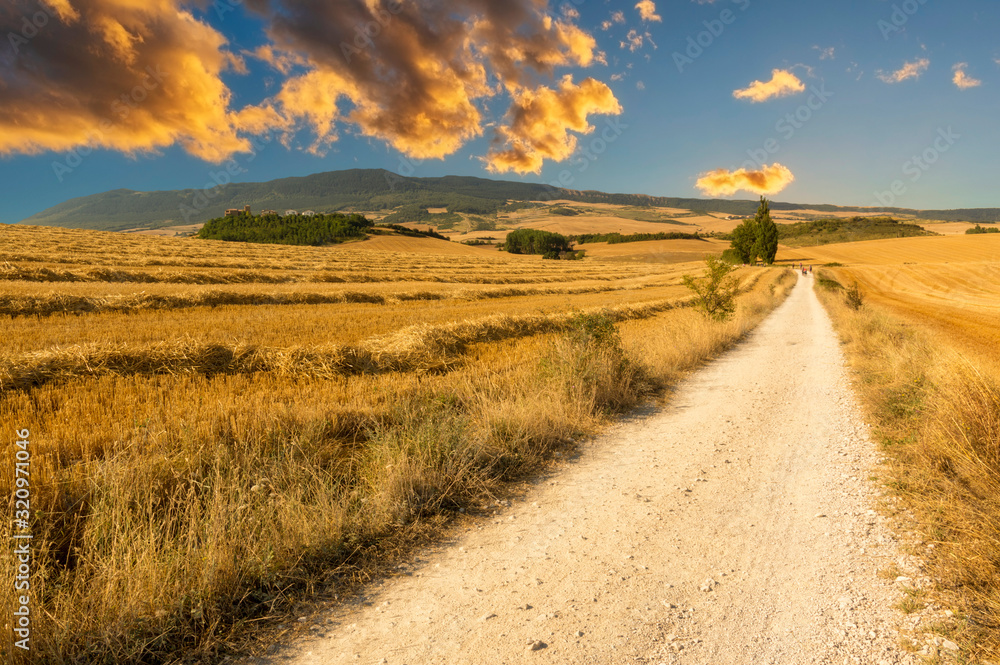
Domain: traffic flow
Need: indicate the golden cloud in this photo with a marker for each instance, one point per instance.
(909, 70)
(141, 76)
(415, 78)
(647, 10)
(540, 121)
(767, 180)
(962, 80)
(782, 84)
(127, 76)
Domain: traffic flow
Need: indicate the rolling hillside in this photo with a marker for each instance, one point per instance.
(380, 190)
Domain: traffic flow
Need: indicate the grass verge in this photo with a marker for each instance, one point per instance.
(936, 414)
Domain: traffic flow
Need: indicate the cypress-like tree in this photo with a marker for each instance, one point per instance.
(766, 232)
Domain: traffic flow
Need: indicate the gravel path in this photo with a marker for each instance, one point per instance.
(736, 525)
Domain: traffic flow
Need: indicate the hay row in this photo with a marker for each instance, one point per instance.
(420, 348)
(461, 275)
(60, 303)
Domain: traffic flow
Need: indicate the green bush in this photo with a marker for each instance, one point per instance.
(564, 211)
(715, 291)
(532, 241)
(732, 257)
(979, 229)
(596, 329)
(592, 367)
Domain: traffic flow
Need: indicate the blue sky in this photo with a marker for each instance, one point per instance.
(854, 134)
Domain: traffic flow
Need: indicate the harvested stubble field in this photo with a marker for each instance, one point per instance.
(198, 469)
(948, 285)
(926, 350)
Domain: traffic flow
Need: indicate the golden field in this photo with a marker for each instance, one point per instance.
(220, 431)
(948, 285)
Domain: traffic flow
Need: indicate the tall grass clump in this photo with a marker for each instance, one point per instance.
(592, 367)
(936, 414)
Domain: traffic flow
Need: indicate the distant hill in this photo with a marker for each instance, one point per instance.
(377, 189)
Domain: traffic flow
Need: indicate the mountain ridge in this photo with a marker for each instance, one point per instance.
(378, 189)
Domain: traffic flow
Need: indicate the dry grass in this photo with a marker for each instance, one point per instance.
(656, 251)
(190, 488)
(937, 413)
(21, 302)
(901, 251)
(313, 324)
(960, 303)
(421, 348)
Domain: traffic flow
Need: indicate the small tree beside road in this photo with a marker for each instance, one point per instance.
(715, 291)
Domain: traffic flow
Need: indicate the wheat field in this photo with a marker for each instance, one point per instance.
(949, 285)
(247, 425)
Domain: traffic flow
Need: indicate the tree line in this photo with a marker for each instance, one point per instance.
(290, 230)
(977, 229)
(531, 241)
(617, 238)
(414, 233)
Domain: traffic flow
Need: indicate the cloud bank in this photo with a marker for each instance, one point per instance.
(128, 76)
(420, 76)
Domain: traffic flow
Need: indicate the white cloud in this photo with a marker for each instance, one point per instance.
(962, 80)
(826, 53)
(909, 70)
(782, 84)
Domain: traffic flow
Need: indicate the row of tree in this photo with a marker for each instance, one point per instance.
(290, 230)
(413, 233)
(977, 229)
(755, 238)
(531, 241)
(616, 238)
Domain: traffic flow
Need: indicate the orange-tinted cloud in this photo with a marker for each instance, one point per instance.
(909, 70)
(540, 121)
(782, 84)
(962, 80)
(418, 75)
(647, 10)
(767, 180)
(127, 76)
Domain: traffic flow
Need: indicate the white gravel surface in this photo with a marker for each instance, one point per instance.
(735, 525)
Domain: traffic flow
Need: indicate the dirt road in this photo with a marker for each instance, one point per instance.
(733, 526)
